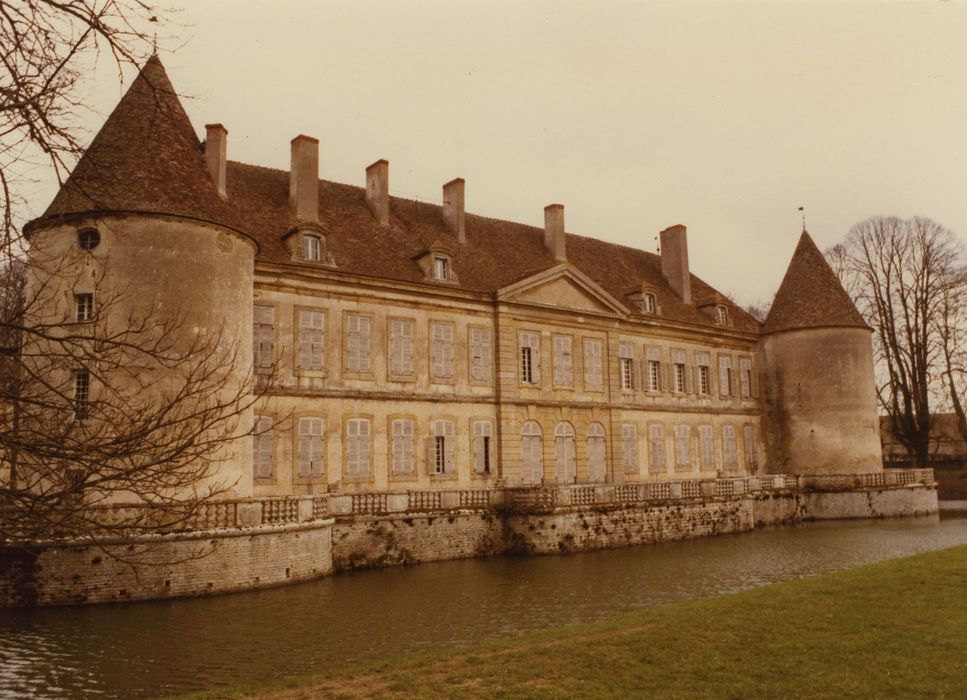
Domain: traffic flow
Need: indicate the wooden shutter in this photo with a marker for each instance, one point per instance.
(312, 326)
(262, 456)
(724, 366)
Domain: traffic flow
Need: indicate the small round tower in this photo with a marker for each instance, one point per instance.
(143, 229)
(819, 394)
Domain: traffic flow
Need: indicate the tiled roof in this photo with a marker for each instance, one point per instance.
(811, 295)
(147, 158)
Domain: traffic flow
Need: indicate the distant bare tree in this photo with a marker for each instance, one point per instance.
(759, 310)
(905, 278)
(953, 339)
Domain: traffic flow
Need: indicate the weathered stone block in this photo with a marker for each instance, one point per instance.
(708, 489)
(397, 502)
(248, 514)
(305, 510)
(341, 505)
(675, 489)
(604, 494)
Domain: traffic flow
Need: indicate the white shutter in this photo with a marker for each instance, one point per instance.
(706, 446)
(263, 334)
(401, 350)
(745, 377)
(563, 374)
(481, 442)
(312, 326)
(480, 350)
(592, 364)
(725, 363)
(357, 343)
(262, 457)
(442, 350)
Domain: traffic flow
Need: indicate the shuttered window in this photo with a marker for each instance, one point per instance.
(441, 350)
(597, 453)
(358, 337)
(401, 346)
(563, 366)
(729, 447)
(481, 354)
(565, 454)
(706, 447)
(262, 447)
(444, 442)
(629, 447)
(704, 377)
(263, 335)
(482, 446)
(358, 447)
(530, 358)
(592, 364)
(725, 375)
(682, 448)
(656, 447)
(745, 377)
(653, 367)
(403, 457)
(751, 447)
(312, 330)
(678, 378)
(626, 364)
(311, 447)
(532, 453)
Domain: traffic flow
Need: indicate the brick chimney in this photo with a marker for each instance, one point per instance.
(304, 178)
(453, 213)
(554, 230)
(674, 261)
(377, 191)
(216, 149)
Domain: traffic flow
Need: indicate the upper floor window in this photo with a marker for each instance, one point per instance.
(682, 447)
(530, 357)
(656, 448)
(678, 363)
(482, 446)
(729, 447)
(83, 307)
(262, 447)
(82, 394)
(358, 343)
(563, 367)
(592, 364)
(88, 239)
(649, 303)
(402, 450)
(722, 315)
(310, 447)
(443, 447)
(629, 447)
(264, 335)
(626, 365)
(442, 350)
(531, 453)
(311, 248)
(704, 377)
(358, 447)
(312, 330)
(441, 268)
(706, 447)
(725, 375)
(565, 455)
(745, 377)
(481, 352)
(653, 365)
(401, 346)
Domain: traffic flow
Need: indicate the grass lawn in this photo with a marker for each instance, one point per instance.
(895, 629)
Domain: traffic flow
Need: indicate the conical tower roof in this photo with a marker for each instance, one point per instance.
(146, 158)
(811, 295)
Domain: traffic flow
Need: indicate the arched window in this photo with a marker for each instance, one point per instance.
(649, 303)
(564, 454)
(597, 462)
(531, 452)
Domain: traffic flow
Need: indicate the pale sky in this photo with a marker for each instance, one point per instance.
(725, 117)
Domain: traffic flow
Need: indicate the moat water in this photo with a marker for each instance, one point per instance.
(158, 648)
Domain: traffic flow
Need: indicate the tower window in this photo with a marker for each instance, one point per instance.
(88, 239)
(83, 307)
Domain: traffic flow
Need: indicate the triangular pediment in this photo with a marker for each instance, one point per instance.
(563, 287)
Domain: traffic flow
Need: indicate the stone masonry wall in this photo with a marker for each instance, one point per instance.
(199, 563)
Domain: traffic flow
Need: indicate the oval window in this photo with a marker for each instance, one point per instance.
(88, 238)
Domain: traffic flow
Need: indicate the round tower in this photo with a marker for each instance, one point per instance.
(140, 244)
(819, 394)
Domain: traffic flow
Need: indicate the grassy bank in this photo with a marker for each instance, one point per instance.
(895, 629)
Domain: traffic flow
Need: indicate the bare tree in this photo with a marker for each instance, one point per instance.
(903, 276)
(953, 340)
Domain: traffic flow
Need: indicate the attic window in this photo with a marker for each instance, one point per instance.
(88, 238)
(441, 268)
(311, 248)
(722, 315)
(648, 303)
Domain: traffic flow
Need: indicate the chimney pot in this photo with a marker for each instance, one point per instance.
(304, 178)
(554, 237)
(674, 261)
(453, 211)
(216, 149)
(377, 191)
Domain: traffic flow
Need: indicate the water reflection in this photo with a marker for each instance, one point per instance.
(154, 648)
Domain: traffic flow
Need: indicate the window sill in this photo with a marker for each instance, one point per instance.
(443, 477)
(309, 480)
(403, 477)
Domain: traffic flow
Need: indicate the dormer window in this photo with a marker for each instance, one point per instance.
(649, 304)
(311, 248)
(441, 268)
(722, 315)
